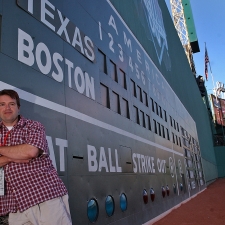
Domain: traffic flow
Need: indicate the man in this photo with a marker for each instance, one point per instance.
(34, 194)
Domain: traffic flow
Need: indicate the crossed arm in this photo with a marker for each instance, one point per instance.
(18, 153)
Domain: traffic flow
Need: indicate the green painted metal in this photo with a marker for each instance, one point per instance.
(179, 76)
(220, 158)
(192, 34)
(189, 20)
(210, 171)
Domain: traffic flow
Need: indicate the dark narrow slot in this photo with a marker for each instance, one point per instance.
(153, 110)
(136, 115)
(115, 106)
(105, 95)
(155, 126)
(133, 86)
(125, 108)
(156, 108)
(77, 157)
(148, 122)
(113, 71)
(123, 79)
(171, 121)
(102, 61)
(165, 116)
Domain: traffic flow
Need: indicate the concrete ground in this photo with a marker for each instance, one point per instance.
(207, 208)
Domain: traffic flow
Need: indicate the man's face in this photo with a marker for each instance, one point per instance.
(9, 110)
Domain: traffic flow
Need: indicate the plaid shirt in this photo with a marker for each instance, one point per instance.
(28, 184)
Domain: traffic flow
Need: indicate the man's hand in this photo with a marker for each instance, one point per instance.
(4, 160)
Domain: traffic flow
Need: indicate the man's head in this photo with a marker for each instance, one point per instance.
(11, 93)
(9, 107)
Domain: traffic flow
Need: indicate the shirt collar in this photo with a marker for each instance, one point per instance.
(20, 123)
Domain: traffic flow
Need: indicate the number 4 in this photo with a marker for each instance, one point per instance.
(130, 64)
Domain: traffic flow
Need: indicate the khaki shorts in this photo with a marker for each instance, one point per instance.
(52, 212)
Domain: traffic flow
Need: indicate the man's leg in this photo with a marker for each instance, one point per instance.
(65, 199)
(30, 216)
(55, 211)
(19, 219)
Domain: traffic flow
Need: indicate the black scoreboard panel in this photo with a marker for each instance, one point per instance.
(113, 123)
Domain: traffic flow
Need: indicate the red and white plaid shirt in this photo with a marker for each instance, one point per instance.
(28, 184)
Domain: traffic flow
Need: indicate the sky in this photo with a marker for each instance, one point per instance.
(209, 19)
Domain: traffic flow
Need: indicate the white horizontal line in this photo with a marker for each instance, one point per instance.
(75, 114)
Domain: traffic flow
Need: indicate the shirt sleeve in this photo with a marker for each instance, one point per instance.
(36, 136)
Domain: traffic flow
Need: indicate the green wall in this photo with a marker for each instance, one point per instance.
(179, 76)
(220, 158)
